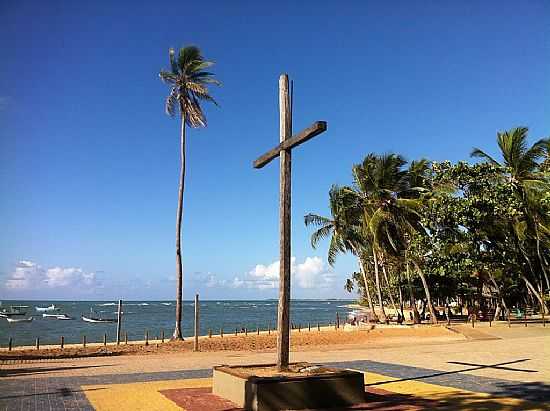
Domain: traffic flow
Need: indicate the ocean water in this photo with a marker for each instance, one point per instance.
(155, 316)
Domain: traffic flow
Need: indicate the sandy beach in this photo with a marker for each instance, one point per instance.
(303, 339)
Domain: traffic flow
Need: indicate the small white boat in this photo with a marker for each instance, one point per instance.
(19, 320)
(57, 316)
(14, 310)
(98, 320)
(47, 309)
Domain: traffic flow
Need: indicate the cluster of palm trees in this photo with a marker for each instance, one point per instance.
(385, 219)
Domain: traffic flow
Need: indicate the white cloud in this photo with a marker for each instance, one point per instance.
(31, 276)
(269, 272)
(212, 281)
(311, 274)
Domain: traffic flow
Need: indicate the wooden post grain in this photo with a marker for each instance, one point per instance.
(283, 150)
(283, 312)
(118, 322)
(196, 327)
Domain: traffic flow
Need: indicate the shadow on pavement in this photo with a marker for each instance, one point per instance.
(42, 370)
(63, 392)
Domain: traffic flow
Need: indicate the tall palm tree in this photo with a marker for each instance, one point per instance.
(390, 208)
(376, 180)
(188, 81)
(342, 230)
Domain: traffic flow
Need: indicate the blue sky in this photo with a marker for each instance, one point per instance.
(89, 160)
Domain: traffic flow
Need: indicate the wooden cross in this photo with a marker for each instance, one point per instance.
(283, 150)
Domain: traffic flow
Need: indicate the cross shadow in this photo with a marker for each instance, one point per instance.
(495, 366)
(473, 367)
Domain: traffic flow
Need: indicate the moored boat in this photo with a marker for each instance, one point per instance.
(13, 311)
(57, 316)
(19, 320)
(47, 309)
(90, 319)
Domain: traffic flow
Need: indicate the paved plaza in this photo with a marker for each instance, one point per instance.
(489, 369)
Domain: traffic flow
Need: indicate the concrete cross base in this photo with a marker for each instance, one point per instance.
(305, 386)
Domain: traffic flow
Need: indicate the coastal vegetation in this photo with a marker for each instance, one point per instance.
(446, 235)
(188, 82)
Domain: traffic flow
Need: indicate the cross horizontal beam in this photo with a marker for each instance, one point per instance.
(306, 134)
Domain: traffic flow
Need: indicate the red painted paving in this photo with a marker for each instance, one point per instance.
(202, 399)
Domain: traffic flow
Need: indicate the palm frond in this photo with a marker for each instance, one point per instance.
(168, 77)
(321, 233)
(188, 55)
(173, 62)
(334, 248)
(317, 220)
(476, 152)
(171, 103)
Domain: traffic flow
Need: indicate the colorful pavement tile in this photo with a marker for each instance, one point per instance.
(389, 394)
(388, 387)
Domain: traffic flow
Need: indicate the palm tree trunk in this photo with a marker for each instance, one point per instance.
(500, 297)
(416, 314)
(433, 317)
(401, 308)
(179, 271)
(382, 315)
(389, 289)
(542, 262)
(536, 294)
(367, 290)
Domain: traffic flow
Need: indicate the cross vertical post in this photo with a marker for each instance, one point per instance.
(283, 313)
(287, 142)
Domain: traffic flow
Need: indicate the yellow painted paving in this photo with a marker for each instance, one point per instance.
(449, 397)
(140, 395)
(146, 395)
